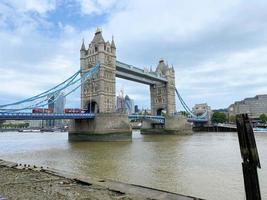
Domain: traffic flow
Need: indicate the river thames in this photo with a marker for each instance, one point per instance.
(206, 165)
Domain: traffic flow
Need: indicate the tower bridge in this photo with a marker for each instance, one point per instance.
(98, 71)
(100, 91)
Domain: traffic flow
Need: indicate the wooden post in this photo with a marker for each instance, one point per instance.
(249, 154)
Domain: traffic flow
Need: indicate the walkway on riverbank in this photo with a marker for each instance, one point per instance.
(26, 182)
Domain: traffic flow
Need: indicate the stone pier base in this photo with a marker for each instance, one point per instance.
(105, 127)
(175, 125)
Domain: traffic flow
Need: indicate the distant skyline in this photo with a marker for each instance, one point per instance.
(218, 49)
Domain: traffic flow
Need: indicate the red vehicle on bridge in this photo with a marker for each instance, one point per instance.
(73, 110)
(42, 110)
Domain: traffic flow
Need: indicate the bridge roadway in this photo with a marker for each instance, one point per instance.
(132, 73)
(51, 116)
(198, 120)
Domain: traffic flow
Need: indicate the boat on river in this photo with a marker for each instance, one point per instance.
(258, 129)
(29, 130)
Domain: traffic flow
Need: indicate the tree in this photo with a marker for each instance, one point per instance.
(184, 113)
(218, 117)
(1, 123)
(263, 118)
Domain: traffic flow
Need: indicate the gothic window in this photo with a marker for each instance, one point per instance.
(96, 49)
(158, 91)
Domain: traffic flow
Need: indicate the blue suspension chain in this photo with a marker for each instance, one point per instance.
(85, 76)
(187, 109)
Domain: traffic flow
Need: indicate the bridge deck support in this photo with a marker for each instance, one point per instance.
(175, 125)
(105, 127)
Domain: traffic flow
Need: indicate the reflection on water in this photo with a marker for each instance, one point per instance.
(206, 165)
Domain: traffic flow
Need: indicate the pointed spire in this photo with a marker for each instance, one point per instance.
(83, 46)
(98, 30)
(98, 36)
(113, 43)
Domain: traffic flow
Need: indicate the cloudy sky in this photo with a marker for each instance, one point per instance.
(218, 48)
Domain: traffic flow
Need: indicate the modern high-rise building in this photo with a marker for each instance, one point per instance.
(56, 103)
(60, 103)
(125, 104)
(136, 109)
(120, 104)
(129, 105)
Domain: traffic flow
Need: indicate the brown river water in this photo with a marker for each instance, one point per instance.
(206, 165)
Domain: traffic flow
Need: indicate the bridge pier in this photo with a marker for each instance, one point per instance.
(178, 125)
(174, 125)
(104, 127)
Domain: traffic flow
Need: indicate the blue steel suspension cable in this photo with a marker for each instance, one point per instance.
(40, 96)
(83, 79)
(70, 79)
(39, 104)
(187, 109)
(85, 76)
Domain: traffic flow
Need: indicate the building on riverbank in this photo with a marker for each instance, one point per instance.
(201, 108)
(254, 106)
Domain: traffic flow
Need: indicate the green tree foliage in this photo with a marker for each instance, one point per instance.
(10, 125)
(218, 117)
(184, 113)
(263, 118)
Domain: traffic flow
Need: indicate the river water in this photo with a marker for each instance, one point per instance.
(206, 165)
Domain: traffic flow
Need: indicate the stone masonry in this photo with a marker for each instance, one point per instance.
(163, 95)
(98, 93)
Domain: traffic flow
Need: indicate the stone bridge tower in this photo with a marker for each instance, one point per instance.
(163, 95)
(98, 93)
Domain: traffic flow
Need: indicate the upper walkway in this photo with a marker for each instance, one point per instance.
(132, 73)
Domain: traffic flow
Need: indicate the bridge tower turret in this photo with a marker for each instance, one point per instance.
(163, 95)
(98, 93)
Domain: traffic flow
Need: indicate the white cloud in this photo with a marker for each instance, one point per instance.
(39, 6)
(98, 6)
(167, 21)
(226, 79)
(218, 48)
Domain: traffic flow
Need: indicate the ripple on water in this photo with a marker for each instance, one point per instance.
(206, 165)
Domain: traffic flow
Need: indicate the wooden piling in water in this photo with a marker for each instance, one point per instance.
(249, 154)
